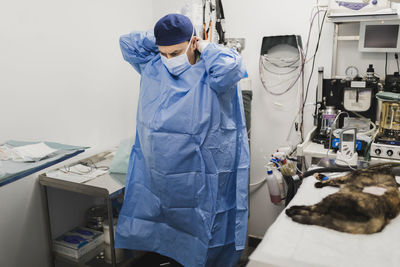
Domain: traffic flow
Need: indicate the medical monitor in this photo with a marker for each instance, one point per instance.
(380, 36)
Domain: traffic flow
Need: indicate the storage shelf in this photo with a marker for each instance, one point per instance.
(91, 259)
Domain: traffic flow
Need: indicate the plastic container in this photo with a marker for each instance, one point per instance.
(273, 188)
(106, 230)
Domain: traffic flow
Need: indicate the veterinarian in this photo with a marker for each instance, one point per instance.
(187, 183)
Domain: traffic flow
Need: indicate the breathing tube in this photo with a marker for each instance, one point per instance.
(294, 182)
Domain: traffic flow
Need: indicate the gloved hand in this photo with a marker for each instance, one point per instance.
(201, 44)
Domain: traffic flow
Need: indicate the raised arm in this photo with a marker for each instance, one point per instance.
(138, 48)
(224, 65)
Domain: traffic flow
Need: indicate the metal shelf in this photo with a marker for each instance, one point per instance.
(91, 259)
(107, 186)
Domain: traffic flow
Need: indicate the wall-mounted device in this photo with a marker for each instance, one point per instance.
(342, 8)
(379, 36)
(347, 155)
(392, 83)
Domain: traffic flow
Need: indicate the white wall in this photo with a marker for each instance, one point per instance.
(271, 123)
(62, 79)
(63, 76)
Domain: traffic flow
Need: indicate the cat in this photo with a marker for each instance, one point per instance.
(365, 203)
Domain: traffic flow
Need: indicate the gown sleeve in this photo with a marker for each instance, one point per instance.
(224, 67)
(138, 48)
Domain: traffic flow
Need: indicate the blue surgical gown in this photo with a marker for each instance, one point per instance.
(186, 193)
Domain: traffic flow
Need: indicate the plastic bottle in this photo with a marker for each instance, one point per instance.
(279, 178)
(273, 187)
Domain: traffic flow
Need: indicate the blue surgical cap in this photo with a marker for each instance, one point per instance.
(173, 29)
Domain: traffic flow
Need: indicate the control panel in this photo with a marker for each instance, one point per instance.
(385, 151)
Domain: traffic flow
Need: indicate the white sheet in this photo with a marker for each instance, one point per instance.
(288, 243)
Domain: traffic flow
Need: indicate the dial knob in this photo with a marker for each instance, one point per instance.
(389, 153)
(378, 151)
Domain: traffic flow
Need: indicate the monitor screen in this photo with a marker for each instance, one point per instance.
(381, 36)
(348, 137)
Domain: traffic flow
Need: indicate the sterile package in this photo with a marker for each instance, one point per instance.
(87, 171)
(34, 152)
(7, 153)
(78, 173)
(78, 242)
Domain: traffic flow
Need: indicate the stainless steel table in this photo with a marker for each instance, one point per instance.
(107, 186)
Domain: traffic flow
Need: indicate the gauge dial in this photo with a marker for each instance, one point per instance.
(352, 72)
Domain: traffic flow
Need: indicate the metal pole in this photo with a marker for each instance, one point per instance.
(335, 48)
(48, 225)
(111, 227)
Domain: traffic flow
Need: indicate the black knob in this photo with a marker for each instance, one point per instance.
(389, 153)
(378, 151)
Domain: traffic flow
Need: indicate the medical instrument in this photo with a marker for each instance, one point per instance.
(352, 72)
(345, 8)
(208, 9)
(347, 155)
(220, 21)
(387, 141)
(389, 125)
(354, 96)
(379, 36)
(392, 83)
(357, 97)
(360, 144)
(328, 115)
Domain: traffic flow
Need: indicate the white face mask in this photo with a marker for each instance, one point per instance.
(179, 64)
